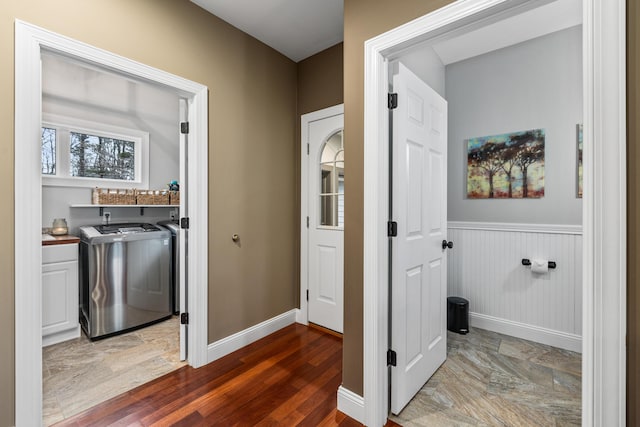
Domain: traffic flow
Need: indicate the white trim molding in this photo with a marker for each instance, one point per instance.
(604, 202)
(604, 214)
(303, 313)
(250, 335)
(61, 336)
(30, 41)
(351, 404)
(516, 227)
(537, 334)
(196, 206)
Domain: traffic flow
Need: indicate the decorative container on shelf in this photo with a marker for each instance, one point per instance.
(152, 197)
(174, 197)
(113, 196)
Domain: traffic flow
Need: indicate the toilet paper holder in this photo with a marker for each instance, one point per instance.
(526, 261)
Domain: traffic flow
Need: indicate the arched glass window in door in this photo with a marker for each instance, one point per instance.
(332, 182)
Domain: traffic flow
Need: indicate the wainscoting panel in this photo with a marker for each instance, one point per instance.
(485, 267)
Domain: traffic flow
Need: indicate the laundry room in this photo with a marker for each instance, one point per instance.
(111, 175)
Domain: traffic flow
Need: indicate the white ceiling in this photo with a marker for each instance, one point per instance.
(531, 24)
(301, 28)
(295, 28)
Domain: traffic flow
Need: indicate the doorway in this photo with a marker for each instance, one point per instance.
(90, 119)
(508, 190)
(322, 218)
(610, 74)
(30, 42)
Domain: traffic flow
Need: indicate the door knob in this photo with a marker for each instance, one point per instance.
(446, 245)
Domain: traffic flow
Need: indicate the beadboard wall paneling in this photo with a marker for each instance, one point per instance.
(485, 267)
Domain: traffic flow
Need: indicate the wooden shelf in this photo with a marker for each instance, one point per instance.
(122, 206)
(102, 207)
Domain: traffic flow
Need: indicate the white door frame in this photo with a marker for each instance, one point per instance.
(302, 315)
(29, 42)
(604, 202)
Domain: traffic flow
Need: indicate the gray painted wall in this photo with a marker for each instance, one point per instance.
(425, 63)
(535, 84)
(74, 90)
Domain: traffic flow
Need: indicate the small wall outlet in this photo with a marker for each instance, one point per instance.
(106, 217)
(173, 214)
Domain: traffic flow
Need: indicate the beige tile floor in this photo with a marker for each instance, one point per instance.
(491, 379)
(79, 374)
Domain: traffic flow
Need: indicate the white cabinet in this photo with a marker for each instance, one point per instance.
(59, 293)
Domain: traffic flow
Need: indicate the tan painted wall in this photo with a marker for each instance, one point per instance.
(633, 209)
(320, 80)
(363, 19)
(252, 116)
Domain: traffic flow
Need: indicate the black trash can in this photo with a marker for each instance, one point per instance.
(458, 315)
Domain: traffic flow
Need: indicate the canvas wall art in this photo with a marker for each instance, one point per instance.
(579, 161)
(506, 166)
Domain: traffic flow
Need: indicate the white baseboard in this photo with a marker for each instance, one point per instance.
(61, 337)
(351, 404)
(240, 339)
(301, 316)
(550, 337)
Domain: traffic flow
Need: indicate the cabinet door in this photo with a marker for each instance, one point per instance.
(59, 297)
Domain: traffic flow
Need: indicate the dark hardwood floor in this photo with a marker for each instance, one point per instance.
(289, 378)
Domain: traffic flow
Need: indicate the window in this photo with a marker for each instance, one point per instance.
(332, 182)
(48, 151)
(93, 156)
(78, 153)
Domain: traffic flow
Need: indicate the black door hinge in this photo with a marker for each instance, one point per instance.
(392, 101)
(184, 318)
(184, 223)
(392, 228)
(391, 358)
(184, 127)
(307, 294)
(307, 222)
(308, 149)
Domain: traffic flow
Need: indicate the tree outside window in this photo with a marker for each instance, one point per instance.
(94, 156)
(48, 151)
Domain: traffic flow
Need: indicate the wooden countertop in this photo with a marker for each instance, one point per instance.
(48, 240)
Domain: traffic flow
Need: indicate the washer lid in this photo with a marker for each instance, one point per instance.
(126, 228)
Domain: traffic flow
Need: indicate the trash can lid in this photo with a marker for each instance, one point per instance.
(457, 300)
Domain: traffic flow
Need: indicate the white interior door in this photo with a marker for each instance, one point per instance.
(325, 191)
(183, 233)
(418, 260)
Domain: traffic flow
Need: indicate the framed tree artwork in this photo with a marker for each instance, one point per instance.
(506, 166)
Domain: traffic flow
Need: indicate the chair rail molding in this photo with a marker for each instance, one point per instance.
(516, 227)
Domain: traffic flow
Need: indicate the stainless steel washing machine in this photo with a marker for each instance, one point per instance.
(125, 277)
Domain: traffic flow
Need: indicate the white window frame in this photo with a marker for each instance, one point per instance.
(65, 125)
